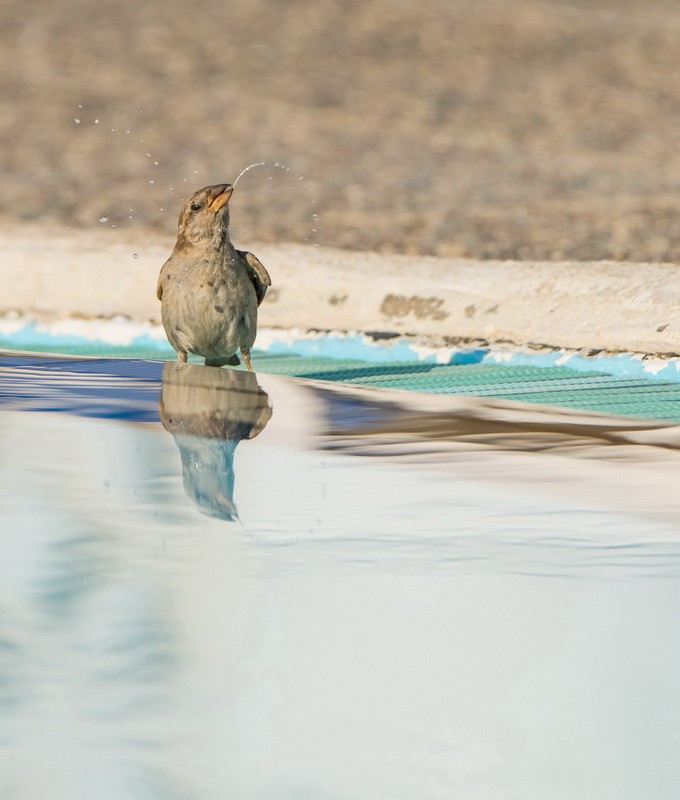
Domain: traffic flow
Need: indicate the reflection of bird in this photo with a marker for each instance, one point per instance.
(209, 411)
(209, 291)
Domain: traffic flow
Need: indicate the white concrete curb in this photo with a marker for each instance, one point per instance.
(598, 305)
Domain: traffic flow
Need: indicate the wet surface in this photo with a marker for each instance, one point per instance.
(214, 584)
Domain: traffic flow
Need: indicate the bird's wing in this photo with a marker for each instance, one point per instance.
(257, 273)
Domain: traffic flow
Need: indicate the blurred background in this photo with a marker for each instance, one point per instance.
(533, 129)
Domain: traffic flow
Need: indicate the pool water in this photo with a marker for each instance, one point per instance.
(215, 584)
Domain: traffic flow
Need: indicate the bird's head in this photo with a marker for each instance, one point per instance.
(205, 215)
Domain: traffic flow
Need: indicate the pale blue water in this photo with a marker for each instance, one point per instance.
(297, 590)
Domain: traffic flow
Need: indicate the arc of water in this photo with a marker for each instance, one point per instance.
(250, 166)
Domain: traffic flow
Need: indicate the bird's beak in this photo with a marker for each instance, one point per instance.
(219, 196)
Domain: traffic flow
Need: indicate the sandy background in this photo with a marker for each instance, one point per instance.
(530, 129)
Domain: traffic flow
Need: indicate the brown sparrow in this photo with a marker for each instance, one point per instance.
(209, 290)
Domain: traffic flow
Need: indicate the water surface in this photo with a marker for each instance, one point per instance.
(220, 585)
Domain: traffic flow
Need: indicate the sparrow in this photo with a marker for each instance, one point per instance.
(209, 290)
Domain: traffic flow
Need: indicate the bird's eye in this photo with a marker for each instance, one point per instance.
(195, 206)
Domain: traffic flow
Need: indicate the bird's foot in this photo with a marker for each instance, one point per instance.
(182, 356)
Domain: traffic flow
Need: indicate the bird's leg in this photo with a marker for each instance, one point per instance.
(182, 356)
(246, 358)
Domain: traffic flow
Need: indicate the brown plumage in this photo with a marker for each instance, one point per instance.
(209, 290)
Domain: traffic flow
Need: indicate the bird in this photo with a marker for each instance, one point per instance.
(209, 290)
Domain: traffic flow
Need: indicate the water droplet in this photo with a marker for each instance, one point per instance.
(96, 122)
(155, 163)
(77, 121)
(150, 181)
(79, 106)
(135, 255)
(148, 155)
(103, 219)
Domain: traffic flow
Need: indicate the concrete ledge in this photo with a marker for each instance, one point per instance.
(599, 305)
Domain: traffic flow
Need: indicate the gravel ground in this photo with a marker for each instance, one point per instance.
(530, 129)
